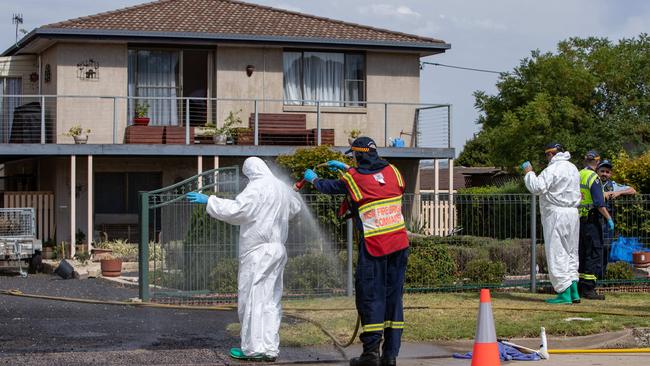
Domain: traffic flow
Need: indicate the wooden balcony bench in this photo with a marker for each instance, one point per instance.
(281, 128)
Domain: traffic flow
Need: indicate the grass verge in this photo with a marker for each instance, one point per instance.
(453, 316)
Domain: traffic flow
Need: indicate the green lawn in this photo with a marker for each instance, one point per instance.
(453, 316)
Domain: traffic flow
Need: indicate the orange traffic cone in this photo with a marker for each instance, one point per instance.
(486, 351)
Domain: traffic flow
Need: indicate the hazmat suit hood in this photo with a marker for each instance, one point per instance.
(255, 168)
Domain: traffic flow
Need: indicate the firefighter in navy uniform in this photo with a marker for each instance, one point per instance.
(375, 190)
(592, 211)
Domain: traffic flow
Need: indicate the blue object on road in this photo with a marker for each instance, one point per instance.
(506, 353)
(196, 197)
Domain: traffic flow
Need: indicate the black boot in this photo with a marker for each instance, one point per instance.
(388, 361)
(589, 291)
(593, 295)
(369, 358)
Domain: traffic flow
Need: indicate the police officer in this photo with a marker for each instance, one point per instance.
(375, 190)
(592, 210)
(612, 190)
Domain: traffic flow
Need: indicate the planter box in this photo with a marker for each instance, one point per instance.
(176, 135)
(144, 135)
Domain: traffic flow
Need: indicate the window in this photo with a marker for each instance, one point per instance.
(117, 193)
(337, 79)
(9, 86)
(155, 73)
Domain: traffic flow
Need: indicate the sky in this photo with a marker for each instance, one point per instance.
(492, 35)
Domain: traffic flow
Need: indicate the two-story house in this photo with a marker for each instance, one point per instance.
(292, 79)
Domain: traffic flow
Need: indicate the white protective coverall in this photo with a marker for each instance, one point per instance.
(263, 210)
(558, 187)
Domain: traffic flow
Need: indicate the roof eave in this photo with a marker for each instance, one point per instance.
(422, 47)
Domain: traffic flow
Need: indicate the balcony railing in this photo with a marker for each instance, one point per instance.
(47, 119)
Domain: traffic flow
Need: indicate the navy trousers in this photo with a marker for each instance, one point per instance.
(379, 286)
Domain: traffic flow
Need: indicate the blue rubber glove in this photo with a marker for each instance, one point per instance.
(610, 224)
(335, 164)
(196, 197)
(525, 165)
(310, 176)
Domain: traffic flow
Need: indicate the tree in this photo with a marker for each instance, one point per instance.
(590, 94)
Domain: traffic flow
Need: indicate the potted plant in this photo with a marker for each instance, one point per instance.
(225, 134)
(141, 114)
(49, 249)
(353, 134)
(101, 250)
(111, 266)
(79, 135)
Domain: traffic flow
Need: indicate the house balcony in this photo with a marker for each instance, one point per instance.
(112, 125)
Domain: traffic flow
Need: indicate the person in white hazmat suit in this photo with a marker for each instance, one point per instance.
(558, 187)
(262, 210)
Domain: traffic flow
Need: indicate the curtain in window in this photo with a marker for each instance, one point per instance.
(9, 86)
(154, 73)
(323, 77)
(292, 78)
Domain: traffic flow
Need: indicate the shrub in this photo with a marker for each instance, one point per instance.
(619, 271)
(429, 264)
(223, 277)
(313, 272)
(481, 271)
(308, 158)
(514, 254)
(633, 171)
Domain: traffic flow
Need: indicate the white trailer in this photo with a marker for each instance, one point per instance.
(18, 243)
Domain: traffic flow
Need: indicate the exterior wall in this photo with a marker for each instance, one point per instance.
(94, 114)
(49, 57)
(390, 77)
(20, 67)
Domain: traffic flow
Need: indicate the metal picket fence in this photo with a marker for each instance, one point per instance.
(457, 240)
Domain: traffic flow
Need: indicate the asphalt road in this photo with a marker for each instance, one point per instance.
(47, 332)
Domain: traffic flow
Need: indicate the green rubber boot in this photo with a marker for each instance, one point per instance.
(238, 354)
(575, 295)
(563, 297)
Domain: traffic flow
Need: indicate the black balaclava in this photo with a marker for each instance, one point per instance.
(365, 152)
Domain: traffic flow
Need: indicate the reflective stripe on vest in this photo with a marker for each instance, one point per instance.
(400, 181)
(587, 179)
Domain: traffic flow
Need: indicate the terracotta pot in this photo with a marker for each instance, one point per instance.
(141, 121)
(111, 267)
(48, 253)
(641, 259)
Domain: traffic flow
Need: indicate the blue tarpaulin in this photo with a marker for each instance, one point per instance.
(506, 353)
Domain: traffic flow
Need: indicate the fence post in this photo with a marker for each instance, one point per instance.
(350, 248)
(257, 124)
(187, 121)
(533, 245)
(143, 252)
(318, 137)
(43, 119)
